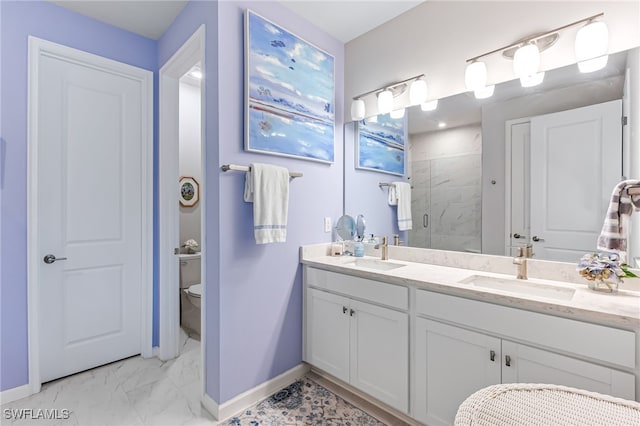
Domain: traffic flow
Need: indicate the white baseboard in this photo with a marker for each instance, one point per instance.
(14, 394)
(254, 395)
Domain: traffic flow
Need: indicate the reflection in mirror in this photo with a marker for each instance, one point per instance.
(467, 197)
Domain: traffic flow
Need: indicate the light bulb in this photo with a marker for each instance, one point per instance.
(484, 92)
(532, 80)
(442, 124)
(397, 113)
(526, 60)
(475, 76)
(385, 102)
(429, 106)
(357, 109)
(418, 92)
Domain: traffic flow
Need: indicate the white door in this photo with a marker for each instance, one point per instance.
(91, 130)
(519, 166)
(451, 364)
(530, 365)
(327, 333)
(576, 160)
(380, 353)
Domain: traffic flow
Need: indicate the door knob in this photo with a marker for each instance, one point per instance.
(50, 258)
(518, 236)
(536, 239)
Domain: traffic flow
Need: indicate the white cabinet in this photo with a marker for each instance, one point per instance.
(452, 361)
(451, 364)
(360, 343)
(526, 364)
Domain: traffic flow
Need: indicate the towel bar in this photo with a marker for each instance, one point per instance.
(227, 167)
(634, 191)
(383, 185)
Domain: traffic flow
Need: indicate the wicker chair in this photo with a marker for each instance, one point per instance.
(542, 404)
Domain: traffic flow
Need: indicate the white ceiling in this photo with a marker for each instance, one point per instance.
(149, 18)
(344, 20)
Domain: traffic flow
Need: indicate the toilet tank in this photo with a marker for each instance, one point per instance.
(189, 269)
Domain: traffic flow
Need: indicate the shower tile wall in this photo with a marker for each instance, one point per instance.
(446, 171)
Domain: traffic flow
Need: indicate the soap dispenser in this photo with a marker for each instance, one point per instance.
(358, 248)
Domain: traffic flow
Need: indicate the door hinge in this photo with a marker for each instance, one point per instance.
(624, 120)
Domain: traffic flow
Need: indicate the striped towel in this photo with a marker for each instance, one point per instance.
(267, 187)
(613, 237)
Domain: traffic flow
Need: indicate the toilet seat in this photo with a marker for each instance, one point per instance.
(195, 290)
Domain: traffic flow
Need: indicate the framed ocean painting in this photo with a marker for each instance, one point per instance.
(289, 93)
(381, 143)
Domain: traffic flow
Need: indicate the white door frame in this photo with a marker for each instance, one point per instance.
(191, 52)
(39, 48)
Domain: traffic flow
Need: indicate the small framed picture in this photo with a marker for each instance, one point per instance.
(189, 191)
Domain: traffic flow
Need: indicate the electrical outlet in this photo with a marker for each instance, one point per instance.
(327, 224)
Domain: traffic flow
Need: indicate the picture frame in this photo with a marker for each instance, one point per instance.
(380, 144)
(189, 191)
(289, 93)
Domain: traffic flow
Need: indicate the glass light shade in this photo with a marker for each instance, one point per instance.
(397, 113)
(475, 76)
(357, 109)
(595, 64)
(418, 92)
(592, 41)
(385, 102)
(532, 80)
(429, 106)
(526, 60)
(484, 92)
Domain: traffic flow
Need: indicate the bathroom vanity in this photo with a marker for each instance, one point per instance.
(423, 330)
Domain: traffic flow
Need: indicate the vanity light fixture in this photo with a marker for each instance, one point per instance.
(484, 92)
(592, 44)
(591, 47)
(387, 94)
(429, 106)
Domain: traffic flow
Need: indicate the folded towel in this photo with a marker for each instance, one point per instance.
(402, 192)
(393, 195)
(267, 187)
(613, 237)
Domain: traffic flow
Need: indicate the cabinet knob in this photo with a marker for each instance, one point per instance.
(352, 312)
(344, 309)
(492, 356)
(507, 361)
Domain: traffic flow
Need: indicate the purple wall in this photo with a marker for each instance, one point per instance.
(190, 19)
(50, 22)
(261, 285)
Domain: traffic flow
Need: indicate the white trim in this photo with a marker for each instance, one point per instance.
(37, 49)
(15, 394)
(191, 52)
(252, 396)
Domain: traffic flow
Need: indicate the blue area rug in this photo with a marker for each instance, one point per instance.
(304, 403)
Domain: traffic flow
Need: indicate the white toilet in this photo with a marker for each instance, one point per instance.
(190, 294)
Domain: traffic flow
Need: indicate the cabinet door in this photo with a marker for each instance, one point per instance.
(327, 333)
(380, 353)
(530, 365)
(451, 363)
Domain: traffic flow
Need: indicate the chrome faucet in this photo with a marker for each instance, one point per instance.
(384, 246)
(523, 253)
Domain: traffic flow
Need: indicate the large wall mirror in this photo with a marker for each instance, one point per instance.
(525, 166)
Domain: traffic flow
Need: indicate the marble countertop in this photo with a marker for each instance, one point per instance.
(621, 309)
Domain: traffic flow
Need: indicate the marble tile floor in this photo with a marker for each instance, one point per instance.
(131, 392)
(150, 392)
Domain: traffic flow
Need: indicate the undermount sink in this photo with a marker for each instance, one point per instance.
(520, 287)
(380, 265)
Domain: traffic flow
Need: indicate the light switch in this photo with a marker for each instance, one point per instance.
(327, 224)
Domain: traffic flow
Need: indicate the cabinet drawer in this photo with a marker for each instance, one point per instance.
(385, 294)
(598, 342)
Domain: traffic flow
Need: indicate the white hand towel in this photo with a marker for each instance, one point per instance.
(267, 187)
(403, 191)
(393, 195)
(613, 237)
